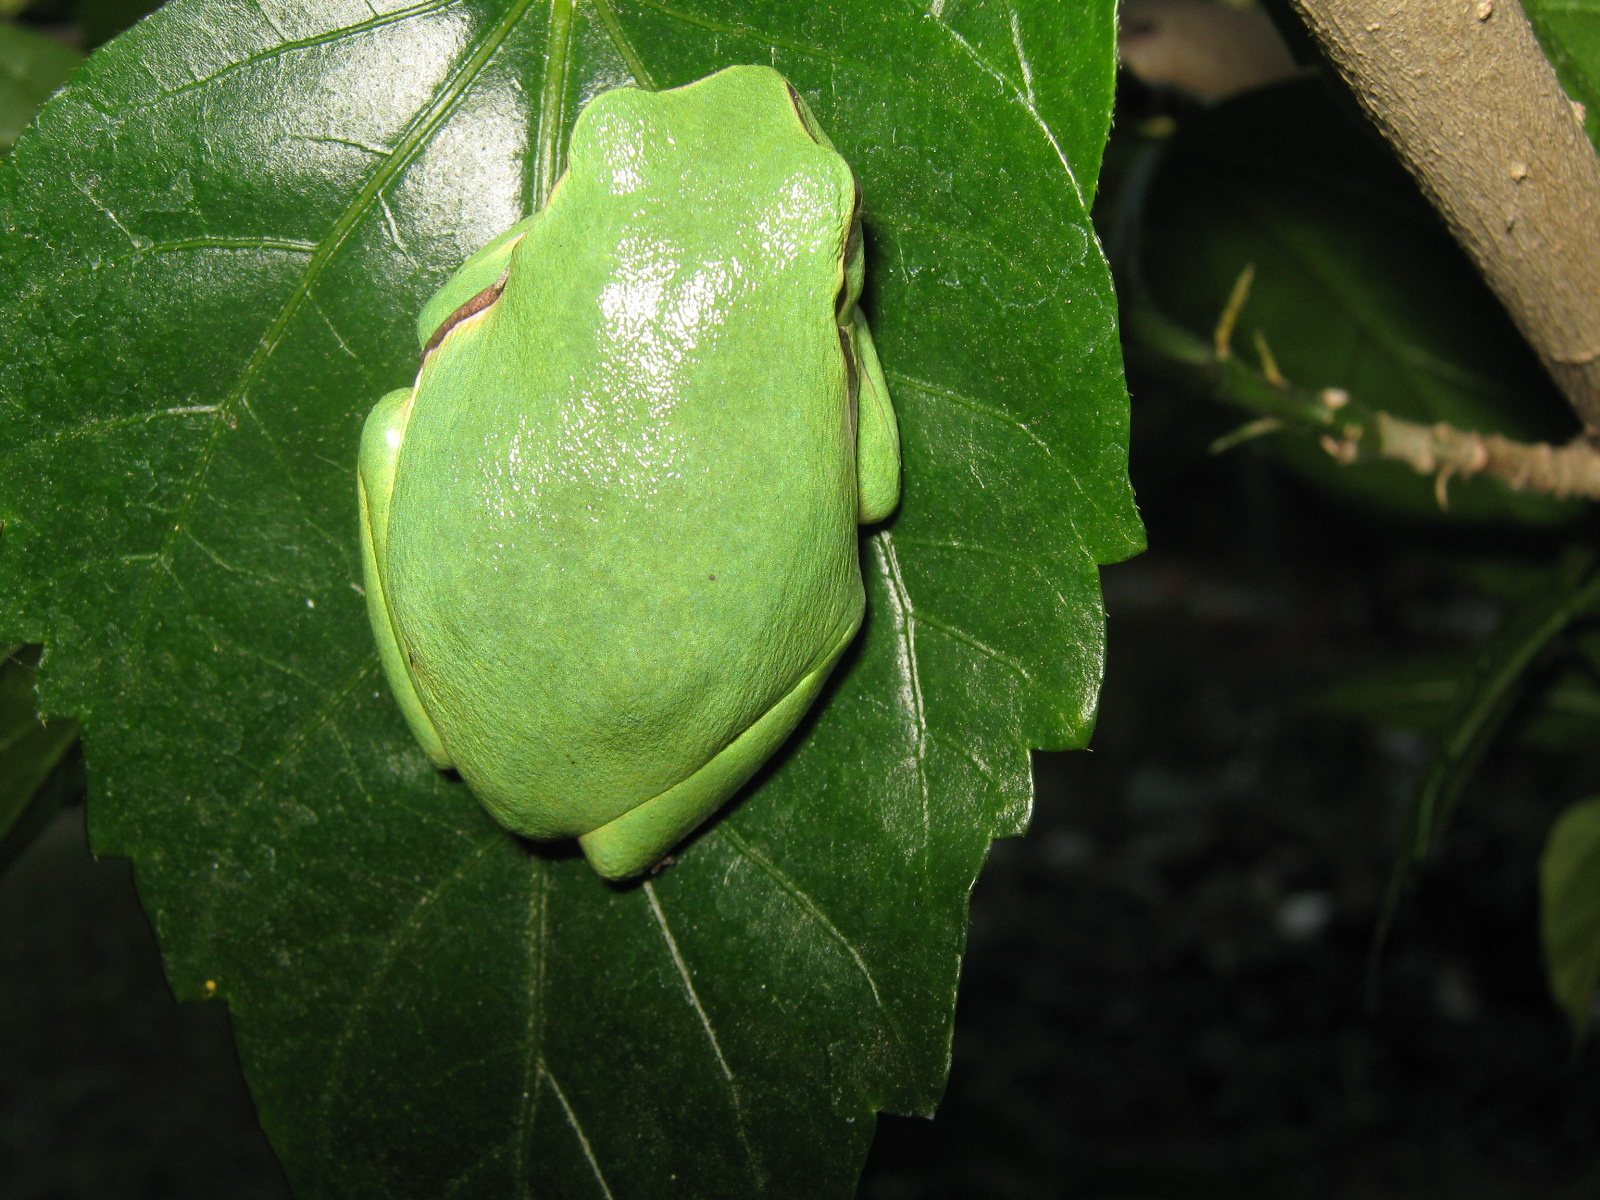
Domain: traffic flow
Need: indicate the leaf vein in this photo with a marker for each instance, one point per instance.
(939, 393)
(936, 737)
(705, 1021)
(814, 911)
(363, 999)
(313, 723)
(572, 1120)
(1024, 99)
(988, 651)
(1030, 564)
(288, 245)
(619, 39)
(533, 1065)
(409, 145)
(905, 623)
(306, 43)
(742, 31)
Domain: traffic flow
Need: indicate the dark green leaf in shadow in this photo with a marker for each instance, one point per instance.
(219, 238)
(1482, 704)
(101, 20)
(40, 768)
(1569, 911)
(1562, 713)
(1565, 712)
(1491, 690)
(1357, 286)
(1415, 694)
(32, 66)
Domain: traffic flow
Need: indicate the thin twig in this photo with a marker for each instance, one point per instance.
(1347, 429)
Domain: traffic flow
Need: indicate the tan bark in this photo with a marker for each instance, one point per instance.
(1209, 50)
(1448, 453)
(1463, 91)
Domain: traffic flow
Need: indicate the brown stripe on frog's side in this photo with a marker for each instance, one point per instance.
(470, 309)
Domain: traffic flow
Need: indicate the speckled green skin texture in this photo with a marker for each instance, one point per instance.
(610, 533)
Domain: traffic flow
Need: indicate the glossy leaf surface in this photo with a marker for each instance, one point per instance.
(219, 238)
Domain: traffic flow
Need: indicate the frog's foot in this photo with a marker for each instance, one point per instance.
(638, 838)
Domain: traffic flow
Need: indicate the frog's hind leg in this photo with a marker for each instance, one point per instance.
(380, 448)
(638, 838)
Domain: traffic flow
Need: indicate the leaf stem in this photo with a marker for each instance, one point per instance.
(1346, 428)
(552, 102)
(619, 39)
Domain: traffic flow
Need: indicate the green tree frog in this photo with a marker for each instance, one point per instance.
(609, 534)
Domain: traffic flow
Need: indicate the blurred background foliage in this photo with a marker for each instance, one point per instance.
(1330, 704)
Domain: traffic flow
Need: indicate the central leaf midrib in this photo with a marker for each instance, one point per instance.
(552, 102)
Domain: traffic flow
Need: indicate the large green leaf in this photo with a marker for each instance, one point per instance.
(218, 239)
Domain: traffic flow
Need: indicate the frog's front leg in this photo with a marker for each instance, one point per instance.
(381, 437)
(877, 431)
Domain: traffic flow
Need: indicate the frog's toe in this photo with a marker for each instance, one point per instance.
(639, 838)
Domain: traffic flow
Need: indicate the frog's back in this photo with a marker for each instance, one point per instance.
(651, 492)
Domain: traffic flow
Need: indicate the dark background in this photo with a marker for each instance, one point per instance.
(1164, 991)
